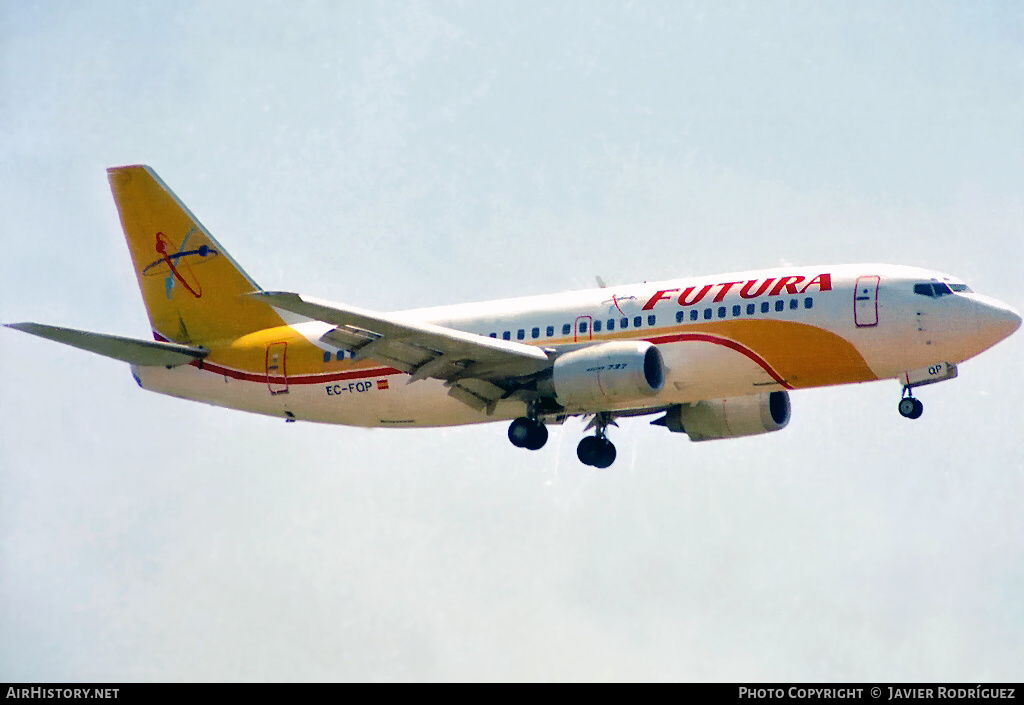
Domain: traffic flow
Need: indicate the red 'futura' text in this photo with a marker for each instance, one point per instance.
(789, 285)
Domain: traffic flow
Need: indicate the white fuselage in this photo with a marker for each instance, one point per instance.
(721, 336)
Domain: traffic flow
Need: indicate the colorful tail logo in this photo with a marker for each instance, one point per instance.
(176, 266)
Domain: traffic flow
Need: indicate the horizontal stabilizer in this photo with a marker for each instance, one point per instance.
(146, 353)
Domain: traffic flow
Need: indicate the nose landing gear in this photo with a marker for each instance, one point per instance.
(909, 407)
(597, 451)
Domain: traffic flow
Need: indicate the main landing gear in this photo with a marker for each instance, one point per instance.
(528, 433)
(910, 408)
(597, 451)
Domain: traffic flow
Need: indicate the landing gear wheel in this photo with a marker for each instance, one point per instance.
(911, 408)
(596, 452)
(538, 436)
(588, 449)
(606, 454)
(519, 432)
(528, 433)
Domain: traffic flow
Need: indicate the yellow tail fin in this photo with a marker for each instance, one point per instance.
(192, 288)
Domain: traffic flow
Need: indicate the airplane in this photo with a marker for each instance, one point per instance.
(714, 357)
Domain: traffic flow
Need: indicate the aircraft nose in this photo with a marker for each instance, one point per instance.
(999, 319)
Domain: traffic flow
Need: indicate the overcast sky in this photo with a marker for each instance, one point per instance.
(393, 155)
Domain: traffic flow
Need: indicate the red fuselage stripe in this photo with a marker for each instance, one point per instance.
(387, 371)
(296, 379)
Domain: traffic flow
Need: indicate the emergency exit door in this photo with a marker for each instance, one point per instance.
(277, 374)
(865, 301)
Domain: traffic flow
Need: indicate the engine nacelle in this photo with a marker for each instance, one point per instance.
(730, 418)
(595, 377)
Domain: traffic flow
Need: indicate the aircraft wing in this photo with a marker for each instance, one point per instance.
(478, 370)
(146, 353)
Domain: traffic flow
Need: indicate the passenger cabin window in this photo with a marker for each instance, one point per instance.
(597, 326)
(611, 324)
(566, 329)
(494, 335)
(751, 308)
(680, 315)
(694, 315)
(780, 305)
(808, 302)
(520, 334)
(736, 310)
(708, 313)
(638, 321)
(583, 326)
(535, 333)
(721, 311)
(340, 356)
(652, 319)
(764, 306)
(794, 304)
(507, 335)
(624, 323)
(550, 331)
(327, 355)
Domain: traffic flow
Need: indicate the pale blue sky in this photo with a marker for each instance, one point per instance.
(416, 153)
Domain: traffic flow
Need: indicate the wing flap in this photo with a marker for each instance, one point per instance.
(146, 353)
(477, 393)
(345, 337)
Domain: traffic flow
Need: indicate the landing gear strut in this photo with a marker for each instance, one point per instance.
(528, 433)
(910, 407)
(597, 451)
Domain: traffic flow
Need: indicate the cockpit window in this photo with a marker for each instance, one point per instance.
(933, 289)
(961, 288)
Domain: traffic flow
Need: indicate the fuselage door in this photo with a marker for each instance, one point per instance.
(865, 301)
(583, 329)
(277, 375)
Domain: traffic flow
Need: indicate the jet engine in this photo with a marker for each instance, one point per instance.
(595, 377)
(729, 418)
